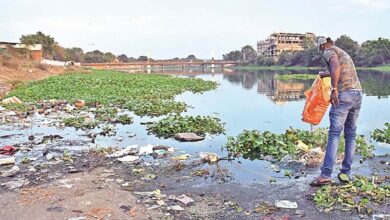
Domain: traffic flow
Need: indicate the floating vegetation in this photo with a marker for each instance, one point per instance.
(105, 114)
(124, 119)
(18, 107)
(255, 144)
(359, 195)
(171, 125)
(80, 123)
(155, 107)
(116, 88)
(382, 135)
(296, 76)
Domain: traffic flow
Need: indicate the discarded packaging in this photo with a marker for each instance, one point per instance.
(184, 199)
(128, 159)
(7, 150)
(4, 160)
(176, 208)
(208, 157)
(128, 150)
(285, 204)
(10, 172)
(146, 150)
(12, 100)
(79, 103)
(182, 157)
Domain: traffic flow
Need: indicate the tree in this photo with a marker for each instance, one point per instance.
(46, 41)
(142, 58)
(75, 54)
(377, 52)
(58, 52)
(248, 53)
(308, 43)
(123, 58)
(232, 56)
(191, 57)
(95, 56)
(348, 45)
(109, 57)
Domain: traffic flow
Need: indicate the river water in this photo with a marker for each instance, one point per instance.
(243, 100)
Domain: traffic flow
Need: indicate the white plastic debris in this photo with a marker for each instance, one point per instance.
(125, 151)
(128, 159)
(285, 204)
(12, 100)
(4, 160)
(184, 199)
(10, 172)
(208, 157)
(146, 150)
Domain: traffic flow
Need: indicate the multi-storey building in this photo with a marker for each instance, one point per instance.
(284, 42)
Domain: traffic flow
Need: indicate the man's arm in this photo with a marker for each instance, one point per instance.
(335, 76)
(334, 71)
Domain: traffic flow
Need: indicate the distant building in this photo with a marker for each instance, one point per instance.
(34, 51)
(283, 42)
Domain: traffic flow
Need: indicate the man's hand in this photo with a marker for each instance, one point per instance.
(334, 98)
(323, 74)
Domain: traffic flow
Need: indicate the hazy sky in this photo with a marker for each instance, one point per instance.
(177, 28)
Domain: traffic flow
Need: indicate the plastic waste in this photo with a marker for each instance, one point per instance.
(317, 100)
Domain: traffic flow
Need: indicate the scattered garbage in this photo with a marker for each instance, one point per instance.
(11, 172)
(12, 100)
(4, 160)
(175, 208)
(146, 150)
(185, 200)
(161, 151)
(188, 137)
(181, 157)
(209, 157)
(285, 204)
(128, 159)
(128, 150)
(16, 183)
(79, 103)
(7, 150)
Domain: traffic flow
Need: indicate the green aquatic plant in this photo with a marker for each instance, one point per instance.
(171, 125)
(116, 88)
(356, 195)
(124, 119)
(256, 144)
(80, 123)
(382, 135)
(155, 107)
(23, 107)
(302, 76)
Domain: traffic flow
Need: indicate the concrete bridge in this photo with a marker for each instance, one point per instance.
(162, 64)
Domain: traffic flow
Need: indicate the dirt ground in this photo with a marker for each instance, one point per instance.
(26, 70)
(86, 194)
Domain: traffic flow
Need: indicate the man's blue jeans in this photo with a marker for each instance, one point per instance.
(343, 116)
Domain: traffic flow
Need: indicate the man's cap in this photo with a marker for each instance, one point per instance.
(320, 41)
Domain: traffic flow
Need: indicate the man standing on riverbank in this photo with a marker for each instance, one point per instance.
(346, 99)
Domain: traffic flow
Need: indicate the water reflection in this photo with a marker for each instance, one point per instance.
(281, 91)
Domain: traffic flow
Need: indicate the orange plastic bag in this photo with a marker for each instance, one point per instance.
(317, 100)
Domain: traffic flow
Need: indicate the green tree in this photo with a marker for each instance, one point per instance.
(58, 52)
(377, 52)
(248, 53)
(108, 57)
(74, 54)
(123, 58)
(191, 57)
(46, 41)
(142, 58)
(232, 56)
(348, 45)
(95, 56)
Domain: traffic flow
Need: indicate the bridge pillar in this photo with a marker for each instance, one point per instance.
(184, 68)
(223, 67)
(162, 67)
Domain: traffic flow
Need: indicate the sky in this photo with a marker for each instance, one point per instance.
(177, 28)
